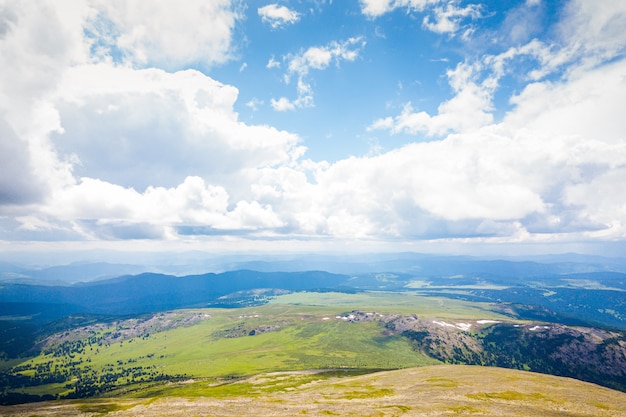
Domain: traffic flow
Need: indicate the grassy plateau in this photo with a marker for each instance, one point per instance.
(303, 353)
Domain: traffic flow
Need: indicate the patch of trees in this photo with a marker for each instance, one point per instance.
(92, 383)
(81, 380)
(12, 398)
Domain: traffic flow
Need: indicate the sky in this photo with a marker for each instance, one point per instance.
(313, 125)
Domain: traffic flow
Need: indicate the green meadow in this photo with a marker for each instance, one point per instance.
(303, 353)
(409, 302)
(300, 331)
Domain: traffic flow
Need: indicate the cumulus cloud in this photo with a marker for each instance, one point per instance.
(499, 181)
(592, 33)
(315, 58)
(278, 16)
(468, 110)
(18, 185)
(156, 210)
(557, 153)
(39, 45)
(568, 107)
(150, 126)
(475, 81)
(92, 147)
(101, 150)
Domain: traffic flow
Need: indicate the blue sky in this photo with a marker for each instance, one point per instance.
(313, 125)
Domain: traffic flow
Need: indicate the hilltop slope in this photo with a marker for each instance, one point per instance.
(428, 391)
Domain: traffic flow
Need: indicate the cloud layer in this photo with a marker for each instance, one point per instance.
(104, 133)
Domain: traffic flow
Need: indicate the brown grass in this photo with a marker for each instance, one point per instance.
(428, 391)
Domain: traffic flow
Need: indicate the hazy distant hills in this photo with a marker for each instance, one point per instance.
(66, 274)
(400, 263)
(150, 292)
(437, 265)
(569, 292)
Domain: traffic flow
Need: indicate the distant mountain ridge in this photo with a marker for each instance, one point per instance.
(67, 274)
(594, 296)
(150, 292)
(14, 270)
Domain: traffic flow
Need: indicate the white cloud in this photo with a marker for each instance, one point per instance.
(474, 83)
(468, 110)
(522, 23)
(446, 16)
(282, 104)
(162, 150)
(43, 39)
(153, 32)
(315, 58)
(498, 181)
(111, 210)
(448, 19)
(180, 124)
(272, 63)
(593, 33)
(39, 40)
(320, 57)
(254, 104)
(555, 157)
(18, 185)
(93, 149)
(568, 107)
(277, 16)
(215, 146)
(376, 8)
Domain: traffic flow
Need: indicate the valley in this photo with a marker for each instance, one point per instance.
(248, 334)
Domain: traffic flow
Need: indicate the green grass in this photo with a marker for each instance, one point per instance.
(366, 392)
(307, 337)
(99, 408)
(507, 395)
(465, 409)
(304, 337)
(57, 388)
(409, 302)
(442, 382)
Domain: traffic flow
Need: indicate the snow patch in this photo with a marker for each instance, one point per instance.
(462, 326)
